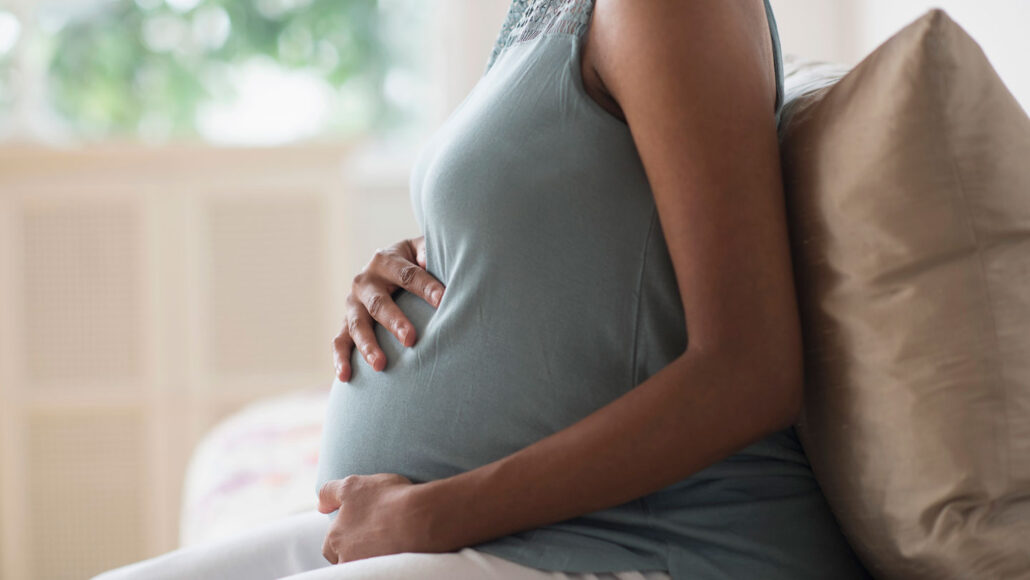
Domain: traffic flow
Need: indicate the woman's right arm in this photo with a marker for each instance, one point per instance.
(402, 265)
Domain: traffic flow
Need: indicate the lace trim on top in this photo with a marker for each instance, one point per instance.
(528, 19)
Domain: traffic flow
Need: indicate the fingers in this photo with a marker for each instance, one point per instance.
(343, 345)
(388, 271)
(381, 307)
(419, 244)
(359, 325)
(413, 278)
(328, 552)
(329, 496)
(371, 301)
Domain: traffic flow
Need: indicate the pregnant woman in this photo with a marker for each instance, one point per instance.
(530, 405)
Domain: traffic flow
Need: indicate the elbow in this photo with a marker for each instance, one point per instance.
(775, 403)
(788, 377)
(792, 397)
(782, 357)
(765, 379)
(770, 388)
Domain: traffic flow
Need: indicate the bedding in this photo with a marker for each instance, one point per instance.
(255, 466)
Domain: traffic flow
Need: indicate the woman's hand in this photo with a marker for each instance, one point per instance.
(379, 514)
(402, 265)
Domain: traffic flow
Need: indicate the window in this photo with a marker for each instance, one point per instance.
(258, 72)
(10, 30)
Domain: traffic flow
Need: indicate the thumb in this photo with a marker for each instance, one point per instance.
(328, 497)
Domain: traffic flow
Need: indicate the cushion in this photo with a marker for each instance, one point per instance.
(908, 197)
(253, 467)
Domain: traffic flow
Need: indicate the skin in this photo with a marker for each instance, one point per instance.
(402, 265)
(695, 83)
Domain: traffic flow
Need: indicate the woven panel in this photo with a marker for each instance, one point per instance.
(4, 561)
(267, 286)
(84, 487)
(81, 292)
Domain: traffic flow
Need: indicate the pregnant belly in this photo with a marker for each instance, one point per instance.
(480, 383)
(386, 422)
(433, 412)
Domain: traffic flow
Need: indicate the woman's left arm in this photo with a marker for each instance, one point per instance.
(696, 84)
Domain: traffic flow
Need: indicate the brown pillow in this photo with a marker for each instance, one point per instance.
(908, 194)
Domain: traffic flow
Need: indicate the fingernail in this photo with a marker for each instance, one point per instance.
(403, 333)
(437, 295)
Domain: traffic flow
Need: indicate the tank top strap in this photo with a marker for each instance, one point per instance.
(777, 59)
(527, 20)
(515, 11)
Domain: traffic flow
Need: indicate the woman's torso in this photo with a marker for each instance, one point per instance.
(560, 298)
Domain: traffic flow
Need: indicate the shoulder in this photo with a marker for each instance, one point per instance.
(631, 42)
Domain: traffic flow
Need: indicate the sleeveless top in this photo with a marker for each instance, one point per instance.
(561, 297)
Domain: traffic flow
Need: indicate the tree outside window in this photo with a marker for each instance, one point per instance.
(226, 71)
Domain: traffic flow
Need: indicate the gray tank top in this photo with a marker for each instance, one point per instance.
(561, 297)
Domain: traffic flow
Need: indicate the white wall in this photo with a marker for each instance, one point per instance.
(819, 29)
(999, 26)
(465, 31)
(847, 30)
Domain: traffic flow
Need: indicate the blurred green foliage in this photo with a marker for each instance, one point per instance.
(133, 60)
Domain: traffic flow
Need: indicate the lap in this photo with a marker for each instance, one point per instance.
(291, 547)
(286, 546)
(465, 564)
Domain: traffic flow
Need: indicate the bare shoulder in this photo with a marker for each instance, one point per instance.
(695, 28)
